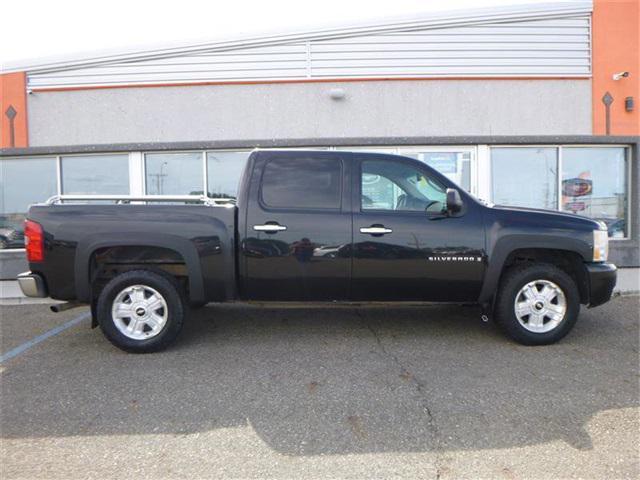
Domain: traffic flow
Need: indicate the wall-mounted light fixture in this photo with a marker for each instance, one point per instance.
(618, 76)
(337, 94)
(628, 104)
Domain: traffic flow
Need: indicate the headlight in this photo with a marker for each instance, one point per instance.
(600, 245)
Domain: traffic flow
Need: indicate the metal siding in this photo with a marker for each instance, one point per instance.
(549, 47)
(553, 47)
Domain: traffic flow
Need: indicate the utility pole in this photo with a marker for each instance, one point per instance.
(159, 179)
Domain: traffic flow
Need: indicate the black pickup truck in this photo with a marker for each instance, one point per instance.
(312, 226)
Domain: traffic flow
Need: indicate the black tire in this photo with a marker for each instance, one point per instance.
(513, 281)
(166, 286)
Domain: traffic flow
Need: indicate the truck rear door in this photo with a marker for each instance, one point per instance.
(297, 232)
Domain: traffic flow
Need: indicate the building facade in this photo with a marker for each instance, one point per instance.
(529, 105)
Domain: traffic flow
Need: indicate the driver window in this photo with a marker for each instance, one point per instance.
(389, 185)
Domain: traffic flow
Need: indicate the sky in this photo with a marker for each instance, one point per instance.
(37, 29)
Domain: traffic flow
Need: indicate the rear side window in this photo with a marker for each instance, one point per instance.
(302, 182)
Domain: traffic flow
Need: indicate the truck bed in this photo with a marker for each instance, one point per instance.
(203, 237)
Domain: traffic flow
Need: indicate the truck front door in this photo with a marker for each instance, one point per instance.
(297, 239)
(404, 248)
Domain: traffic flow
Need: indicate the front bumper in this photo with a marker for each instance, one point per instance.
(601, 278)
(32, 285)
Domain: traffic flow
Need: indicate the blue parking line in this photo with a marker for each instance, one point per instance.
(41, 338)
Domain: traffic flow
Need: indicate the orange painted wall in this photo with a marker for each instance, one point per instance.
(13, 93)
(616, 48)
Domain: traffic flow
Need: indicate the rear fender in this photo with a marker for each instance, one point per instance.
(182, 246)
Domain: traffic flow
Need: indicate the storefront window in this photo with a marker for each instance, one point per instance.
(525, 177)
(223, 173)
(454, 165)
(594, 184)
(23, 181)
(95, 174)
(174, 173)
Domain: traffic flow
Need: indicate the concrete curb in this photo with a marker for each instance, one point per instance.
(28, 301)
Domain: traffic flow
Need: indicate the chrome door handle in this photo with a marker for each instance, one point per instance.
(375, 230)
(269, 228)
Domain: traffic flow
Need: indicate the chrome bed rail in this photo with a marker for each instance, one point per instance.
(128, 199)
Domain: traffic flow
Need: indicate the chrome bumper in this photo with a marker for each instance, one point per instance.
(32, 285)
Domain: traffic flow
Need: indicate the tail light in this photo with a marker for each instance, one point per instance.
(34, 241)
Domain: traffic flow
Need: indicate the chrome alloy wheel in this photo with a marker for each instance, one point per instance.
(139, 312)
(540, 306)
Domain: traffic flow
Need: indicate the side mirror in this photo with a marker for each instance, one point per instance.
(454, 202)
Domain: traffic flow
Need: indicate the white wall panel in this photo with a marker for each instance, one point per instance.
(545, 47)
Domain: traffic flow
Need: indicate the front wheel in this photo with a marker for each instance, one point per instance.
(537, 304)
(141, 311)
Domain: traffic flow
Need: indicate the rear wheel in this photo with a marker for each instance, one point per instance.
(141, 311)
(537, 304)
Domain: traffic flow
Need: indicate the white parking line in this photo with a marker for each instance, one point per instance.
(41, 338)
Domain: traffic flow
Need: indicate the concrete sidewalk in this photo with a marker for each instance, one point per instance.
(628, 280)
(10, 294)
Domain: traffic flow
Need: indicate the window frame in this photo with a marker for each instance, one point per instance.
(203, 170)
(54, 158)
(206, 165)
(627, 171)
(558, 182)
(481, 166)
(270, 208)
(402, 151)
(472, 150)
(560, 147)
(60, 158)
(142, 167)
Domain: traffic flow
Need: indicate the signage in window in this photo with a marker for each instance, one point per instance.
(577, 187)
(442, 162)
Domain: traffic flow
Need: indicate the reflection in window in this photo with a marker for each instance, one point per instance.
(303, 182)
(456, 166)
(389, 185)
(23, 181)
(174, 174)
(594, 184)
(95, 175)
(525, 177)
(223, 173)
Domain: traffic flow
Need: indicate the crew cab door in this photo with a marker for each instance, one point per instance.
(297, 238)
(404, 247)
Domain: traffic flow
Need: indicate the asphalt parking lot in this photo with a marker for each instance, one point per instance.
(415, 392)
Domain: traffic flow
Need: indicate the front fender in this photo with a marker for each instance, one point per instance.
(505, 245)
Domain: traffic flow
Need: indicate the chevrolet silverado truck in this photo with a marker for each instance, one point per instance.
(316, 226)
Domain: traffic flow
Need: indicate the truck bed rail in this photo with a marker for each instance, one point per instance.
(127, 199)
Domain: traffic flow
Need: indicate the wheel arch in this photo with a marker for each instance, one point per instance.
(566, 253)
(181, 248)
